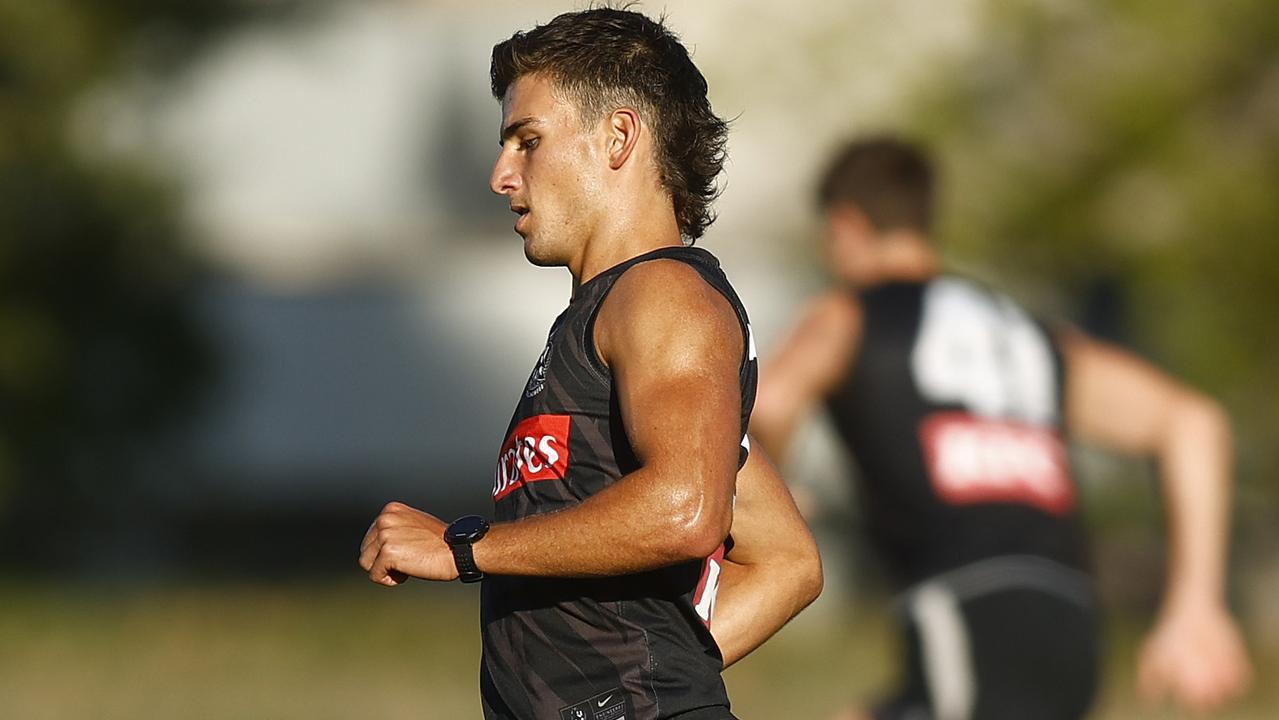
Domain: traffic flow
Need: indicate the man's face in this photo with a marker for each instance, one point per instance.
(549, 169)
(851, 246)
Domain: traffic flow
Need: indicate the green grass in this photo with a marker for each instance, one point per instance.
(834, 654)
(349, 649)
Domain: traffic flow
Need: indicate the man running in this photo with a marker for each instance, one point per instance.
(610, 553)
(955, 402)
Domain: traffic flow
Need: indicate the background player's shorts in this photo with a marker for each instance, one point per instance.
(1007, 648)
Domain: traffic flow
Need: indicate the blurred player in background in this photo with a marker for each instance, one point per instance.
(956, 405)
(612, 585)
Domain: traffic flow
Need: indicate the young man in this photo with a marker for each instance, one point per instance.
(954, 403)
(615, 489)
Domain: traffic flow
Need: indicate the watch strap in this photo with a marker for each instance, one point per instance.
(464, 558)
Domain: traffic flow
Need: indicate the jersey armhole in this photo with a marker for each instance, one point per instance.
(596, 363)
(593, 360)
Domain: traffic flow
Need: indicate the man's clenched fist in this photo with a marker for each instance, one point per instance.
(404, 542)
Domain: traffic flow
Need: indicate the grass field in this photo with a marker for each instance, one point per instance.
(348, 649)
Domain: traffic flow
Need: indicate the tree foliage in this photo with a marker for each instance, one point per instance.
(1131, 146)
(99, 348)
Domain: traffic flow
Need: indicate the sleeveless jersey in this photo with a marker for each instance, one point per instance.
(635, 646)
(953, 413)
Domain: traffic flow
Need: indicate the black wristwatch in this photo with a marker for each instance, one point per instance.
(460, 534)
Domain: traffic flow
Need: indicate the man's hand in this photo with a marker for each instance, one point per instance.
(404, 542)
(1194, 656)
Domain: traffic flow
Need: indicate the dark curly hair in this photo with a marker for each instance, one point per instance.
(605, 58)
(888, 179)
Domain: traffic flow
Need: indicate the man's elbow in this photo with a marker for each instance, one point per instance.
(696, 529)
(810, 579)
(1214, 417)
(703, 538)
(1199, 417)
(794, 562)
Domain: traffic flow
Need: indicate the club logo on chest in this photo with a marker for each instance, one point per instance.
(537, 381)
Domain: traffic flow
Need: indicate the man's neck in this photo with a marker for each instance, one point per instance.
(627, 235)
(905, 256)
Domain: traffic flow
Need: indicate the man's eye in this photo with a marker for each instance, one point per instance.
(528, 143)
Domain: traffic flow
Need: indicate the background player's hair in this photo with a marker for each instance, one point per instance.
(606, 58)
(889, 180)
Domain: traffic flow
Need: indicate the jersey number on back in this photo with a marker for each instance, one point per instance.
(983, 353)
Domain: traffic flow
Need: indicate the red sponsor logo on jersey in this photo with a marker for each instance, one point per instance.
(977, 460)
(536, 450)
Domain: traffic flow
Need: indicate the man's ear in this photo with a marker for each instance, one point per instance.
(623, 135)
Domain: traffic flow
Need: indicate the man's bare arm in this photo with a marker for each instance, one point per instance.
(1118, 401)
(773, 570)
(810, 363)
(674, 347)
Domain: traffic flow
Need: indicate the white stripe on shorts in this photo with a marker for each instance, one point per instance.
(947, 659)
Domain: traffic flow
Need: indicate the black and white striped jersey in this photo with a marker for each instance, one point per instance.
(953, 414)
(637, 646)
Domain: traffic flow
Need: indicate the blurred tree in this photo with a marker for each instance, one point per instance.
(1132, 148)
(99, 347)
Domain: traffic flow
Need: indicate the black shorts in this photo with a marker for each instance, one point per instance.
(715, 713)
(1004, 639)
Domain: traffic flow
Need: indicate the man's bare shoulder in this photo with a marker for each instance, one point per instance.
(669, 302)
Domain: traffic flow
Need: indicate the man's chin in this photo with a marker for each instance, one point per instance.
(536, 257)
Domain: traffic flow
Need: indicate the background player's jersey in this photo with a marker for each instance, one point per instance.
(953, 413)
(637, 646)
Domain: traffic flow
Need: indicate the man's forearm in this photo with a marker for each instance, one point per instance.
(1196, 464)
(756, 601)
(639, 523)
(774, 569)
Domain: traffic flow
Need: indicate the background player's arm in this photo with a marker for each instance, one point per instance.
(674, 347)
(1116, 400)
(773, 570)
(811, 362)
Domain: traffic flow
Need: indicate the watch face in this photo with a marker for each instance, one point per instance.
(467, 529)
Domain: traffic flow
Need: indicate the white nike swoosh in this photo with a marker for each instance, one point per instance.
(605, 700)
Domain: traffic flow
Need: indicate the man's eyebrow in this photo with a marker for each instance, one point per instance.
(516, 126)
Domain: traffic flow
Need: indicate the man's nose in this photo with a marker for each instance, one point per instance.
(504, 180)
